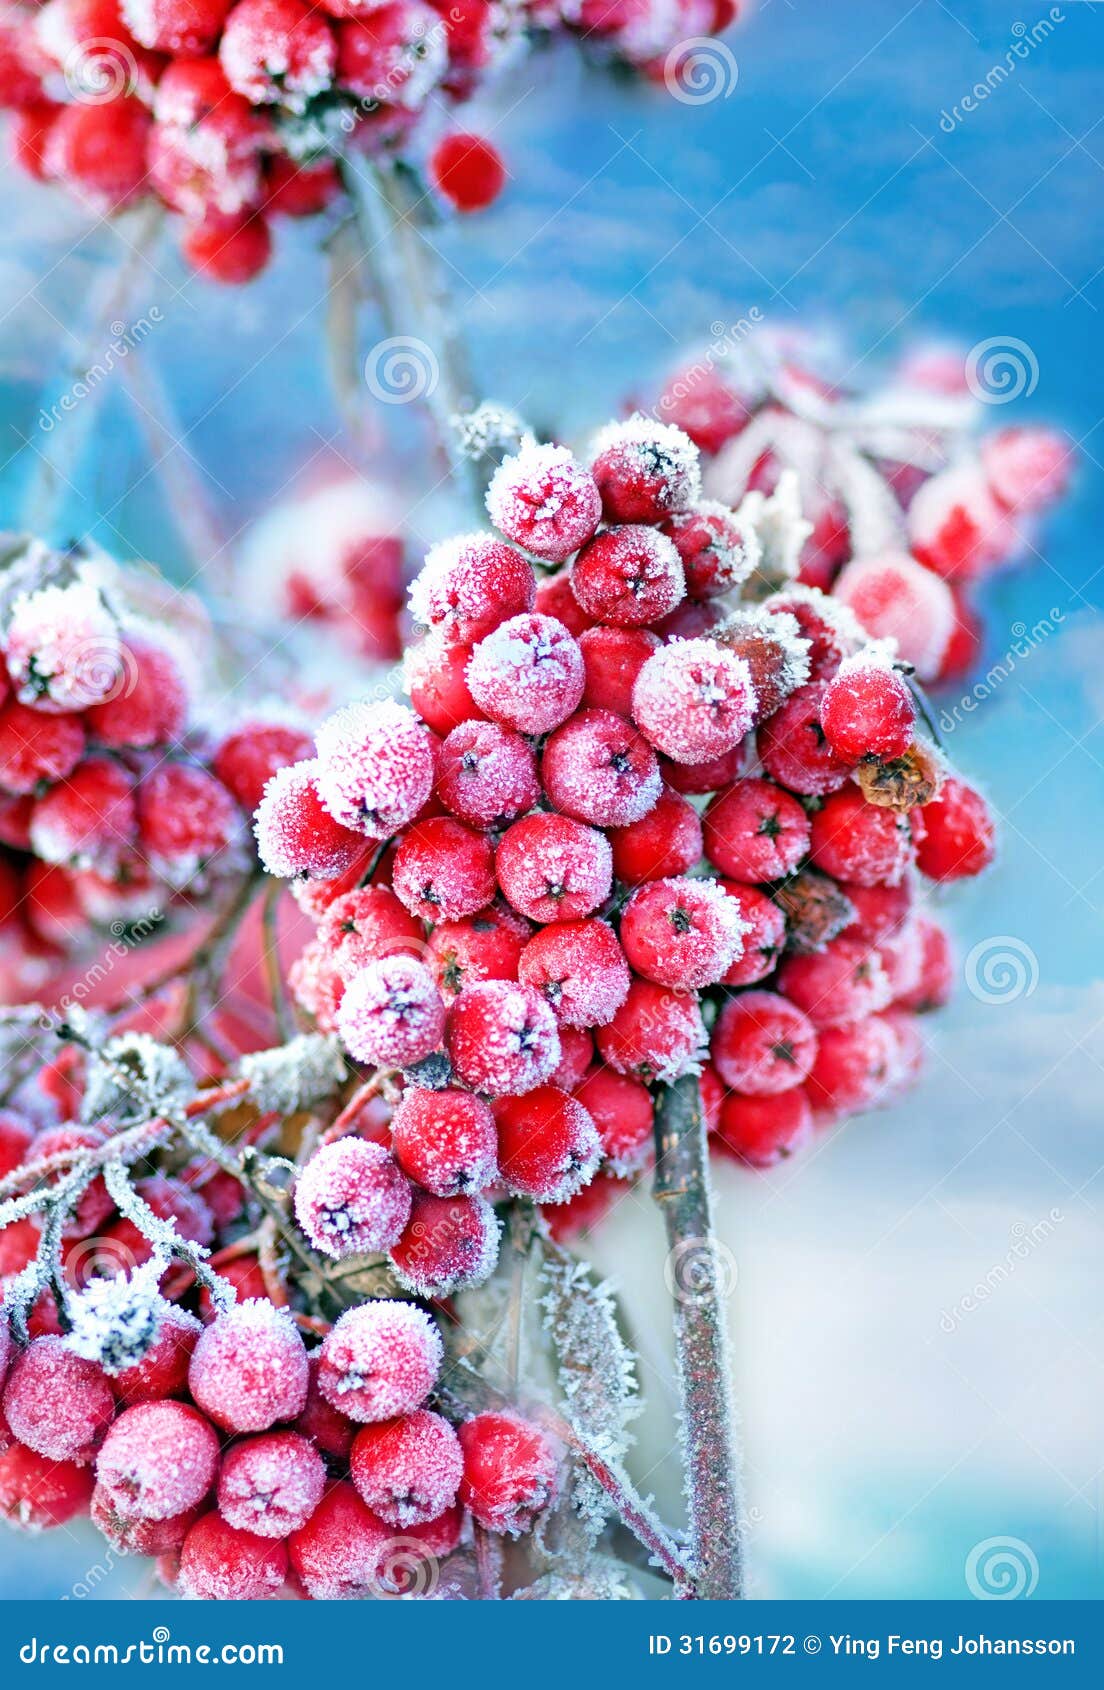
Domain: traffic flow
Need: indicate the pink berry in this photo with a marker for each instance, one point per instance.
(221, 1564)
(391, 1014)
(443, 870)
(63, 648)
(956, 526)
(16, 1135)
(764, 934)
(277, 50)
(621, 1109)
(856, 841)
(483, 946)
(88, 821)
(901, 955)
(937, 970)
(1028, 468)
(665, 842)
(352, 1199)
(158, 1460)
(579, 968)
(704, 406)
(855, 1067)
(394, 53)
(613, 658)
(35, 748)
(445, 1141)
(246, 760)
(163, 1370)
(271, 1485)
(694, 700)
(682, 933)
(186, 819)
(645, 470)
(597, 768)
(545, 501)
(552, 868)
(528, 674)
(548, 1145)
(502, 1038)
(366, 926)
(320, 1423)
(867, 711)
(630, 576)
(449, 1244)
(657, 1034)
(185, 28)
(129, 1534)
(95, 1203)
(435, 674)
(408, 1470)
(470, 584)
(37, 1491)
(763, 1044)
(150, 707)
(249, 1368)
(56, 1402)
(296, 834)
(340, 1554)
(487, 776)
(376, 767)
(509, 1472)
(755, 831)
(764, 1130)
(380, 1359)
(894, 597)
(718, 551)
(959, 838)
(795, 750)
(843, 982)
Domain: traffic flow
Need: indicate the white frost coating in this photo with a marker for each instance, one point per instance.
(63, 647)
(735, 563)
(779, 526)
(375, 766)
(694, 699)
(529, 672)
(133, 1073)
(654, 448)
(116, 1321)
(296, 1075)
(782, 630)
(544, 499)
(492, 430)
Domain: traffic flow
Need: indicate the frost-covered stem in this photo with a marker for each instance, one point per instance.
(389, 209)
(345, 1121)
(127, 1146)
(58, 461)
(712, 1468)
(488, 1564)
(164, 1236)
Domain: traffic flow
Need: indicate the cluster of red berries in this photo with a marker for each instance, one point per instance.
(909, 509)
(117, 807)
(631, 827)
(232, 112)
(250, 1468)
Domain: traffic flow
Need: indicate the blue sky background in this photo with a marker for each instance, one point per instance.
(883, 1447)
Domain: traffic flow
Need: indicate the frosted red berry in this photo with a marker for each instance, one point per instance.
(366, 926)
(579, 968)
(935, 978)
(352, 1198)
(543, 499)
(667, 841)
(448, 1244)
(576, 1056)
(339, 1554)
(718, 552)
(763, 1130)
(56, 1402)
(645, 470)
(528, 674)
(277, 50)
(502, 1038)
(445, 1141)
(151, 705)
(547, 1143)
(487, 775)
(613, 658)
(629, 576)
(763, 1044)
(843, 982)
(35, 748)
(483, 946)
(867, 711)
(861, 842)
(855, 1067)
(163, 1370)
(509, 1472)
(622, 1112)
(375, 767)
(755, 831)
(682, 933)
(436, 679)
(186, 819)
(443, 870)
(469, 584)
(597, 768)
(221, 1564)
(657, 1034)
(773, 647)
(248, 757)
(271, 1485)
(391, 1014)
(249, 1368)
(694, 700)
(90, 820)
(37, 1491)
(320, 1423)
(896, 598)
(795, 750)
(552, 868)
(159, 1460)
(379, 1360)
(959, 838)
(408, 1470)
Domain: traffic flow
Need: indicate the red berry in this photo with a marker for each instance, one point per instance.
(528, 674)
(629, 576)
(576, 1056)
(764, 935)
(763, 1044)
(879, 910)
(366, 926)
(935, 981)
(228, 247)
(299, 190)
(579, 968)
(841, 983)
(56, 1402)
(246, 760)
(277, 50)
(755, 831)
(484, 946)
(855, 1067)
(352, 1199)
(861, 842)
(89, 821)
(763, 1130)
(597, 768)
(95, 1203)
(249, 1369)
(554, 869)
(16, 1135)
(1027, 468)
(408, 1470)
(774, 648)
(657, 1034)
(130, 1535)
(221, 1564)
(320, 1423)
(468, 171)
(394, 54)
(502, 1038)
(547, 1143)
(794, 748)
(555, 599)
(621, 1109)
(509, 1472)
(867, 711)
(376, 767)
(380, 1359)
(956, 526)
(391, 1014)
(435, 675)
(271, 1485)
(151, 705)
(717, 550)
(163, 1370)
(694, 700)
(185, 28)
(445, 1141)
(545, 501)
(450, 1243)
(37, 1492)
(158, 1461)
(698, 779)
(340, 1554)
(703, 406)
(613, 658)
(894, 597)
(959, 838)
(667, 841)
(186, 818)
(831, 628)
(100, 151)
(443, 870)
(468, 585)
(645, 470)
(682, 933)
(35, 748)
(487, 775)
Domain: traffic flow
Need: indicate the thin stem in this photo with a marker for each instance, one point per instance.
(713, 1480)
(488, 1564)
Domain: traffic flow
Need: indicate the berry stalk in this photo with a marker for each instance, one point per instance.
(712, 1467)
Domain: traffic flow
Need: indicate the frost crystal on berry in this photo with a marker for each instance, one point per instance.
(63, 648)
(116, 1322)
(375, 767)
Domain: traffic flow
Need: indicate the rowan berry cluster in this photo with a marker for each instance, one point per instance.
(909, 507)
(635, 822)
(235, 112)
(120, 808)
